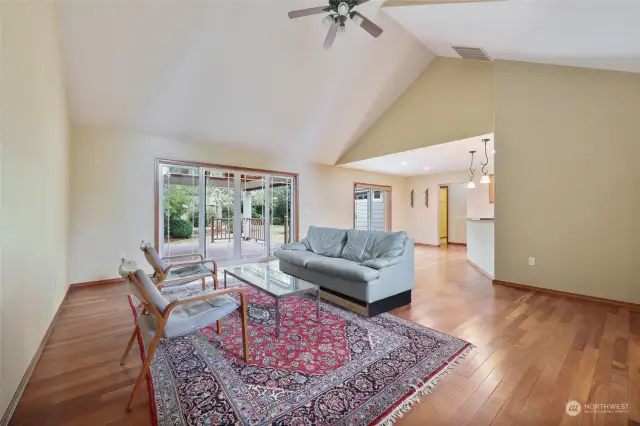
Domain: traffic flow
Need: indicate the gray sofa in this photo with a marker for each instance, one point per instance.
(372, 268)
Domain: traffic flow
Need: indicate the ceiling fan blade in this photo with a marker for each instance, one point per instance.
(307, 12)
(369, 26)
(331, 35)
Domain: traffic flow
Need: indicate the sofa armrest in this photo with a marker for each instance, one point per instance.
(294, 246)
(382, 262)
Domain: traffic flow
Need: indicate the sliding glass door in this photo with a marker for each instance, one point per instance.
(228, 215)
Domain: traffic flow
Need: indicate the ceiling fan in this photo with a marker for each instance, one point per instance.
(339, 11)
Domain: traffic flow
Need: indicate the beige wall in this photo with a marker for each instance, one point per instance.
(112, 193)
(567, 142)
(451, 100)
(33, 131)
(422, 222)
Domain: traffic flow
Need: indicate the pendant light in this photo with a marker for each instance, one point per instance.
(485, 177)
(471, 184)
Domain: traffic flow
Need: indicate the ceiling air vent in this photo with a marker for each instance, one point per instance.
(474, 53)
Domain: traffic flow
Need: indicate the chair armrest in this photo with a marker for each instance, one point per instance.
(183, 256)
(208, 295)
(196, 262)
(294, 246)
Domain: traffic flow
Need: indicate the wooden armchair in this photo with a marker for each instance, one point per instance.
(167, 319)
(179, 273)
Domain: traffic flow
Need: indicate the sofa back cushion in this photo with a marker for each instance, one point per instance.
(365, 245)
(327, 242)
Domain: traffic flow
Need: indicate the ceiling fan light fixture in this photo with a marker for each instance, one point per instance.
(327, 20)
(357, 19)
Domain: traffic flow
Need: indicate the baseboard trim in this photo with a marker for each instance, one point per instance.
(109, 281)
(32, 365)
(482, 271)
(426, 245)
(617, 303)
(457, 244)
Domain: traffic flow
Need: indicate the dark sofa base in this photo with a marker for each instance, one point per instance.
(380, 306)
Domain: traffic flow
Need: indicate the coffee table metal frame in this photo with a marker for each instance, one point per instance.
(315, 289)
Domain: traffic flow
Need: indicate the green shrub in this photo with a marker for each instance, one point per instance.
(278, 220)
(180, 228)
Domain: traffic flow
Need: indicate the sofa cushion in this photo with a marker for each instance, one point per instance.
(365, 245)
(294, 246)
(295, 257)
(327, 242)
(382, 262)
(342, 268)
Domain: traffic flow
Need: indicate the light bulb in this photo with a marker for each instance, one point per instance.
(357, 19)
(327, 20)
(485, 179)
(471, 185)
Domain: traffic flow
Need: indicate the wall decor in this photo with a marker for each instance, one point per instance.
(411, 199)
(426, 197)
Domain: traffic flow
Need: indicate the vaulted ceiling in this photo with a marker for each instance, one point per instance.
(583, 33)
(236, 73)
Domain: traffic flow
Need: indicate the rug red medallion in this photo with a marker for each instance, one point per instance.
(342, 370)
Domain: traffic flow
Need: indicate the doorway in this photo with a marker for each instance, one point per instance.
(444, 215)
(224, 213)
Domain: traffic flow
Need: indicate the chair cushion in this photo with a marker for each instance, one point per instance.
(159, 301)
(327, 242)
(192, 316)
(365, 245)
(197, 270)
(295, 257)
(153, 258)
(342, 268)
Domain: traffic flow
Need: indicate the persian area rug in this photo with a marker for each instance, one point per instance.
(345, 369)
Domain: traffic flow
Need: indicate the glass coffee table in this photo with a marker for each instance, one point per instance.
(273, 282)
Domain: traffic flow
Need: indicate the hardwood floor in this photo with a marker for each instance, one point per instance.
(534, 353)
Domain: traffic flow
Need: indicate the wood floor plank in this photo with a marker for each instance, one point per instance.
(534, 352)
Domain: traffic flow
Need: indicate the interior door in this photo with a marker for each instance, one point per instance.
(444, 214)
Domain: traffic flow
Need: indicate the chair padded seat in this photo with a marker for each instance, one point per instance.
(188, 271)
(295, 257)
(196, 315)
(342, 268)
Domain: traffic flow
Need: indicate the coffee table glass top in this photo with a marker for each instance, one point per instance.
(270, 280)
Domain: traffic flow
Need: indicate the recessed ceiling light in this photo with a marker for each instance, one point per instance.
(493, 152)
(426, 167)
(403, 163)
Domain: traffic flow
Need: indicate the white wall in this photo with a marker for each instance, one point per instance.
(422, 222)
(457, 213)
(112, 200)
(480, 244)
(34, 165)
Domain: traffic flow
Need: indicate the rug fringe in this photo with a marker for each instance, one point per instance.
(422, 389)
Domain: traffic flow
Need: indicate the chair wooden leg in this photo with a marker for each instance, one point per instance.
(245, 332)
(145, 368)
(219, 326)
(215, 282)
(130, 344)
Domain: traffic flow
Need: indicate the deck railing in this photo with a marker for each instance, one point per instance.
(252, 229)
